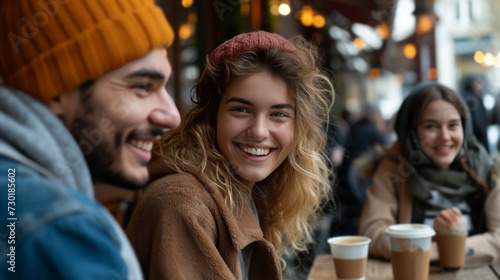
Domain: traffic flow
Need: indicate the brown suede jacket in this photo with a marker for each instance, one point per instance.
(389, 202)
(182, 229)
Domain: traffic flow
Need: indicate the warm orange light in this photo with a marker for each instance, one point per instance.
(487, 59)
(432, 74)
(306, 15)
(318, 21)
(409, 51)
(382, 31)
(359, 43)
(374, 73)
(187, 3)
(479, 57)
(424, 24)
(185, 31)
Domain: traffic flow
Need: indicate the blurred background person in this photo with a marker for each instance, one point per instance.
(435, 165)
(362, 134)
(472, 90)
(337, 138)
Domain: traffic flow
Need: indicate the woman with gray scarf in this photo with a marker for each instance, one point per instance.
(435, 172)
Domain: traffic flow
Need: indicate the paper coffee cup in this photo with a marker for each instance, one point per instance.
(451, 245)
(410, 249)
(350, 255)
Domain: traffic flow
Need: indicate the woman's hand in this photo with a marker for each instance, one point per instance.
(446, 218)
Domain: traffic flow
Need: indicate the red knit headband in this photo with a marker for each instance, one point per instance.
(247, 42)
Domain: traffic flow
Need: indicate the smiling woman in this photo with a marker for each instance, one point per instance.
(255, 130)
(239, 181)
(440, 132)
(436, 172)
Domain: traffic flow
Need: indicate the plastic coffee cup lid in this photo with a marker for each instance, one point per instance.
(410, 231)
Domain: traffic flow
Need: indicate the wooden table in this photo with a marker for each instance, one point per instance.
(323, 269)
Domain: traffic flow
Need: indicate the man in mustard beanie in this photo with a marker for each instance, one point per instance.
(83, 100)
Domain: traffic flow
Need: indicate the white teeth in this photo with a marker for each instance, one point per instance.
(255, 152)
(146, 145)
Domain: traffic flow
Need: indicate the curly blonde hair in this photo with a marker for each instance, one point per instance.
(298, 187)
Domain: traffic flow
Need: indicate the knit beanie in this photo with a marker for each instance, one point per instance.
(48, 47)
(249, 42)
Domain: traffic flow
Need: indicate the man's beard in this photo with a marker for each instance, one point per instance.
(99, 152)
